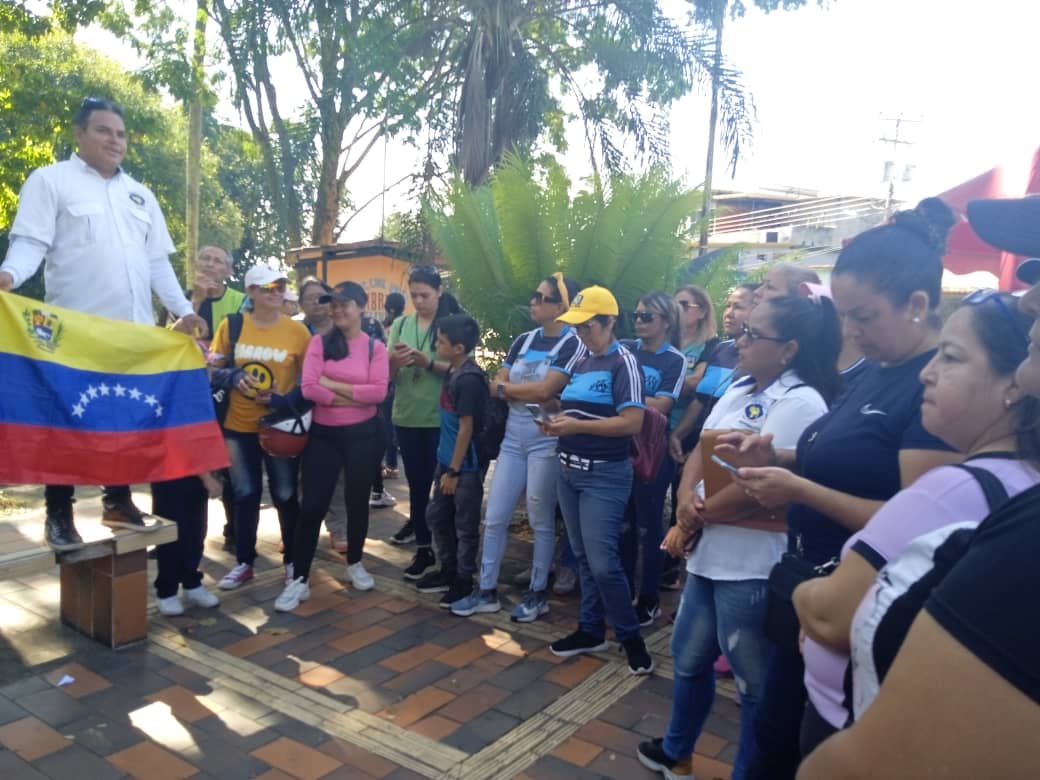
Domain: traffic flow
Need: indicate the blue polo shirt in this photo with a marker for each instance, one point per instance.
(601, 386)
(855, 448)
(664, 370)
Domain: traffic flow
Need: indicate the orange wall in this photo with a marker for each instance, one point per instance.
(379, 275)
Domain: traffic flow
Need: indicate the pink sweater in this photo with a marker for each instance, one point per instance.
(369, 380)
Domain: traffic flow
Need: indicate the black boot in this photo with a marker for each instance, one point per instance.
(121, 513)
(60, 531)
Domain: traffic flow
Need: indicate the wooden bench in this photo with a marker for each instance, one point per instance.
(104, 585)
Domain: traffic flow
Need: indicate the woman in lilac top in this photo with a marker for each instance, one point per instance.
(345, 373)
(973, 403)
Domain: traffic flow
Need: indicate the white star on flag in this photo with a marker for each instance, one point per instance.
(77, 410)
(83, 399)
(92, 391)
(103, 388)
(151, 400)
(120, 391)
(158, 411)
(135, 394)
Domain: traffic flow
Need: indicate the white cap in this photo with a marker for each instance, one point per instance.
(260, 275)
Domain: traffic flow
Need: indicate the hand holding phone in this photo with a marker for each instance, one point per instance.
(728, 466)
(539, 414)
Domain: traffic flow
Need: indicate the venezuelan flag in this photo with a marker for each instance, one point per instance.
(90, 400)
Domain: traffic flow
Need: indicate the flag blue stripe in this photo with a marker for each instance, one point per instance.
(36, 392)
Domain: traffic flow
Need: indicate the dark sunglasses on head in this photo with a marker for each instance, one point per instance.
(980, 297)
(539, 297)
(273, 287)
(644, 316)
(687, 305)
(752, 337)
(425, 270)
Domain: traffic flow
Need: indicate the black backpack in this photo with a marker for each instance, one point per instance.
(490, 428)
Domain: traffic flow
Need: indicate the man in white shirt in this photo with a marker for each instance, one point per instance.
(107, 250)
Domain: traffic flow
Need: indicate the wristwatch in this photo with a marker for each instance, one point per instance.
(454, 473)
(500, 390)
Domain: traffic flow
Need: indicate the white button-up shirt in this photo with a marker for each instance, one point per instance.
(105, 240)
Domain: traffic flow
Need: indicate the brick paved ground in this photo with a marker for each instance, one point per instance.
(381, 684)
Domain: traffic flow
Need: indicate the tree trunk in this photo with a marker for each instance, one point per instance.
(194, 156)
(713, 123)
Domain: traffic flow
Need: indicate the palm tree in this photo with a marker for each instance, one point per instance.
(503, 238)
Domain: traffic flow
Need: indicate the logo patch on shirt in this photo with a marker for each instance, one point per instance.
(137, 198)
(754, 411)
(869, 409)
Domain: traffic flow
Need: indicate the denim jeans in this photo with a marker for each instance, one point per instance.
(248, 462)
(644, 524)
(419, 454)
(455, 522)
(185, 502)
(714, 615)
(528, 459)
(593, 504)
(778, 720)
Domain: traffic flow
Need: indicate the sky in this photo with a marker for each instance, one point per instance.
(824, 79)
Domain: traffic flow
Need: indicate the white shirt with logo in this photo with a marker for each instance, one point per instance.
(105, 240)
(784, 408)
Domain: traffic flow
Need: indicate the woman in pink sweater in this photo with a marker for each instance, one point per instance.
(345, 373)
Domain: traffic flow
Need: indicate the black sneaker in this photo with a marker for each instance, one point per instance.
(405, 535)
(60, 531)
(436, 582)
(459, 590)
(639, 660)
(647, 611)
(578, 642)
(651, 755)
(421, 561)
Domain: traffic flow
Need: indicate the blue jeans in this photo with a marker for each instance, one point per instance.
(714, 615)
(248, 462)
(418, 448)
(644, 523)
(593, 504)
(527, 459)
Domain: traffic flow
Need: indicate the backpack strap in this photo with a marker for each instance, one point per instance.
(235, 322)
(992, 488)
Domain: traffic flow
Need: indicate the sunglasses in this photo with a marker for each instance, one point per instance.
(644, 316)
(752, 337)
(273, 287)
(538, 297)
(424, 270)
(980, 297)
(687, 305)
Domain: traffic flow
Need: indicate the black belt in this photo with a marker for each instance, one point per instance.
(572, 461)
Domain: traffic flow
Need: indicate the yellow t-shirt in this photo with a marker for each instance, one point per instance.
(272, 354)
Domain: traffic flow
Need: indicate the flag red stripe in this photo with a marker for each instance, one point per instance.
(34, 454)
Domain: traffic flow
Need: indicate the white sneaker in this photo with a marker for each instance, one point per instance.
(289, 573)
(171, 606)
(359, 578)
(381, 499)
(201, 597)
(290, 598)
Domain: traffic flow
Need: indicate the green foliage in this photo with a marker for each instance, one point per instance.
(503, 238)
(41, 85)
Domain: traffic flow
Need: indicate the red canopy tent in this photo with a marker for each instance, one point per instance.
(966, 252)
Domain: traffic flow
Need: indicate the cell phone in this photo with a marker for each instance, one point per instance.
(537, 412)
(728, 466)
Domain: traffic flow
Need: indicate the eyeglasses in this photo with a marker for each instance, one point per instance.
(585, 327)
(752, 337)
(278, 286)
(980, 297)
(644, 316)
(538, 297)
(687, 305)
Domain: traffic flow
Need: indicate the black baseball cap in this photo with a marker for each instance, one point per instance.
(1011, 224)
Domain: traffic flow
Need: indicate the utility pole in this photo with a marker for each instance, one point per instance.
(889, 174)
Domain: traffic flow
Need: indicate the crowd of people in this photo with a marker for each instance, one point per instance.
(853, 479)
